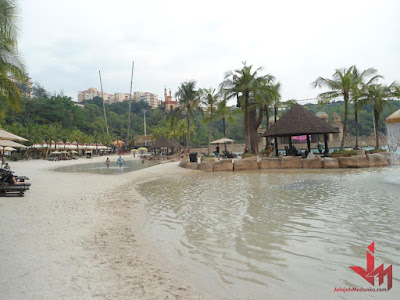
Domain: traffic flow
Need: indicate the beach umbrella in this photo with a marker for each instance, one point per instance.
(133, 150)
(55, 152)
(9, 149)
(222, 141)
(74, 152)
(8, 143)
(5, 135)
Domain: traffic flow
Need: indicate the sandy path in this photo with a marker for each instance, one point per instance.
(78, 236)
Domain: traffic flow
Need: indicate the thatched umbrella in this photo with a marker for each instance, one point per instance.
(299, 121)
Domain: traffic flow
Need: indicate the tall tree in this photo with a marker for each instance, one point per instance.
(10, 63)
(189, 100)
(342, 85)
(225, 113)
(244, 84)
(210, 99)
(378, 95)
(360, 82)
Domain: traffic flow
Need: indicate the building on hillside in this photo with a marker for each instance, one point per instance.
(136, 96)
(25, 87)
(88, 94)
(151, 99)
(168, 103)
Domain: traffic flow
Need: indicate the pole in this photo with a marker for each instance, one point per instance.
(129, 109)
(144, 121)
(104, 107)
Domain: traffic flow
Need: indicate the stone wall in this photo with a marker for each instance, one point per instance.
(288, 162)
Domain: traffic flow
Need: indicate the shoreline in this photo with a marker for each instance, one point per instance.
(79, 235)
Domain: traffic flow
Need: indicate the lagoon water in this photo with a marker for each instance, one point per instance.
(101, 168)
(284, 234)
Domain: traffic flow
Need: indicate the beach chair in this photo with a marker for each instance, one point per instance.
(9, 189)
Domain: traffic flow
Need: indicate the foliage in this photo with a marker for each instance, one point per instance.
(344, 153)
(10, 62)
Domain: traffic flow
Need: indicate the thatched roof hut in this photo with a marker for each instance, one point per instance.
(299, 121)
(163, 142)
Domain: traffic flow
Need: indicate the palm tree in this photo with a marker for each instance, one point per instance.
(189, 99)
(225, 113)
(244, 84)
(10, 63)
(210, 99)
(360, 78)
(342, 85)
(378, 95)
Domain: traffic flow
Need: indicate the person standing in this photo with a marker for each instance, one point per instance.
(319, 147)
(108, 162)
(3, 161)
(120, 161)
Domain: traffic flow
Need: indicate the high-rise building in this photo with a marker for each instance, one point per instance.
(151, 99)
(88, 94)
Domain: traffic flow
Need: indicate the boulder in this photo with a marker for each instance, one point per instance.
(360, 152)
(330, 163)
(207, 166)
(358, 161)
(270, 163)
(377, 160)
(188, 165)
(291, 162)
(312, 163)
(223, 165)
(246, 164)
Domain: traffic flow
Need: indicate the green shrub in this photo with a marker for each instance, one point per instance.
(245, 155)
(265, 153)
(344, 153)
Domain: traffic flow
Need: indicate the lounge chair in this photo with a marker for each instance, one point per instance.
(9, 188)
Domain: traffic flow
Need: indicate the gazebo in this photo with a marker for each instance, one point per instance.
(299, 121)
(163, 142)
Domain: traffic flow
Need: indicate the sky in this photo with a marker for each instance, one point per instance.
(65, 43)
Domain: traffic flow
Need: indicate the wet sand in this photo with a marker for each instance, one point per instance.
(79, 236)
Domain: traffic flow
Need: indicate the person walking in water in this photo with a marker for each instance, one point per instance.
(108, 162)
(120, 161)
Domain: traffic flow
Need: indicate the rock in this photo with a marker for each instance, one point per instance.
(206, 166)
(188, 165)
(270, 163)
(223, 165)
(360, 152)
(377, 160)
(291, 162)
(246, 164)
(312, 163)
(358, 161)
(330, 163)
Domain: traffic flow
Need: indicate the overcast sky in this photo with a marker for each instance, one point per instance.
(66, 42)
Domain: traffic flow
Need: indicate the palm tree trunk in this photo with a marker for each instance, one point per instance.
(209, 133)
(377, 129)
(356, 122)
(246, 124)
(276, 138)
(188, 133)
(253, 131)
(224, 125)
(346, 111)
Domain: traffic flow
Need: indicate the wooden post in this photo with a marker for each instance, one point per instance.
(276, 146)
(308, 143)
(290, 146)
(326, 152)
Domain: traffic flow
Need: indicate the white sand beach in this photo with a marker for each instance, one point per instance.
(77, 236)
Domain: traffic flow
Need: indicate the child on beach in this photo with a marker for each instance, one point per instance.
(120, 161)
(108, 162)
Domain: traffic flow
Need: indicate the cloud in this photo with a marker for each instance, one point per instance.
(65, 43)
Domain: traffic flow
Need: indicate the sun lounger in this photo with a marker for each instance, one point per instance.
(7, 189)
